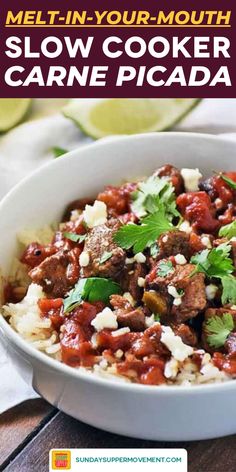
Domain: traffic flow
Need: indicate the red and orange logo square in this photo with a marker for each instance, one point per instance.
(61, 460)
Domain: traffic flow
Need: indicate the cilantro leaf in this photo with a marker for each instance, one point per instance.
(219, 328)
(165, 268)
(58, 151)
(105, 257)
(228, 231)
(76, 238)
(91, 289)
(215, 262)
(229, 289)
(229, 181)
(152, 195)
(154, 250)
(141, 236)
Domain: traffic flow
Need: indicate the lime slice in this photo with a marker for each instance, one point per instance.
(12, 111)
(103, 117)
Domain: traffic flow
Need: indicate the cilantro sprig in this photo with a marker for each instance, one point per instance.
(219, 328)
(229, 289)
(58, 151)
(217, 263)
(105, 257)
(229, 181)
(165, 268)
(144, 235)
(228, 231)
(92, 289)
(76, 238)
(152, 195)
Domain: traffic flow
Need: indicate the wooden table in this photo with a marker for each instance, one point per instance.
(30, 430)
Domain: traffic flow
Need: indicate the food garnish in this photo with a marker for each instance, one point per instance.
(219, 328)
(92, 289)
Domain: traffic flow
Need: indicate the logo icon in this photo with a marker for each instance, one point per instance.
(61, 460)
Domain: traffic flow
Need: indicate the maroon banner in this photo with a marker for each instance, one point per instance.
(117, 49)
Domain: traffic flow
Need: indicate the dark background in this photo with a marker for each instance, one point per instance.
(128, 90)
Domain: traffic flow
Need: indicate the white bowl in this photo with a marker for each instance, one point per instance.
(148, 412)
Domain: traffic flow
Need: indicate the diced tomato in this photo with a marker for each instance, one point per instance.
(225, 362)
(75, 348)
(197, 208)
(149, 372)
(35, 253)
(117, 199)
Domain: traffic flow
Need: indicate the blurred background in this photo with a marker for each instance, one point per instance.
(33, 132)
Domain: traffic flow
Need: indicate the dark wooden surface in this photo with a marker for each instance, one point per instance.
(29, 431)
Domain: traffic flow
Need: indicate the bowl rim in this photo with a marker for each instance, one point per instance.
(76, 373)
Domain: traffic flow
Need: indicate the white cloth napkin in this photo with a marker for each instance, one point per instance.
(29, 146)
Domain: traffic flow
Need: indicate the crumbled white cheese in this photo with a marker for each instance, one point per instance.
(84, 259)
(75, 214)
(129, 260)
(233, 239)
(173, 292)
(140, 257)
(141, 281)
(165, 239)
(95, 214)
(185, 226)
(119, 353)
(149, 321)
(218, 203)
(103, 363)
(171, 368)
(211, 290)
(94, 341)
(120, 331)
(233, 307)
(177, 301)
(206, 241)
(180, 259)
(178, 349)
(191, 179)
(105, 319)
(129, 297)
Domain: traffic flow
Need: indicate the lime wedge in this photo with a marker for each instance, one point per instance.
(12, 111)
(103, 117)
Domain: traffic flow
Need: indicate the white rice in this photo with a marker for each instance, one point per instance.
(25, 318)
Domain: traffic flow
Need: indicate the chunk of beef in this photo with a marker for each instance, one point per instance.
(175, 177)
(57, 273)
(100, 241)
(173, 243)
(133, 318)
(212, 312)
(193, 299)
(129, 279)
(186, 333)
